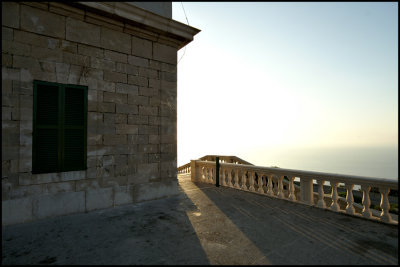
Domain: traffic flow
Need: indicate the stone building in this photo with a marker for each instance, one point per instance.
(89, 105)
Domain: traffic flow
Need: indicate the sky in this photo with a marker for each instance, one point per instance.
(264, 78)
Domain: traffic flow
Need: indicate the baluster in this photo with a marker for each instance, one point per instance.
(237, 179)
(334, 195)
(366, 201)
(270, 191)
(349, 198)
(212, 171)
(260, 183)
(230, 178)
(321, 202)
(265, 182)
(209, 175)
(251, 182)
(222, 176)
(385, 205)
(244, 181)
(292, 195)
(280, 187)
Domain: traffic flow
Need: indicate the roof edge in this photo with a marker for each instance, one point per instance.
(165, 26)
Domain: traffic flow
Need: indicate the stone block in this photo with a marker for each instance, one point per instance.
(154, 190)
(54, 188)
(155, 83)
(138, 61)
(91, 51)
(142, 47)
(69, 46)
(138, 158)
(75, 59)
(115, 40)
(86, 184)
(148, 91)
(148, 73)
(168, 67)
(111, 139)
(138, 100)
(154, 158)
(155, 65)
(138, 119)
(103, 64)
(121, 118)
(46, 54)
(127, 68)
(148, 110)
(122, 195)
(106, 86)
(7, 33)
(26, 63)
(138, 139)
(148, 148)
(42, 22)
(25, 165)
(126, 129)
(41, 178)
(9, 152)
(155, 101)
(109, 118)
(9, 74)
(82, 32)
(164, 53)
(115, 98)
(148, 171)
(117, 77)
(16, 210)
(168, 76)
(154, 139)
(58, 204)
(99, 198)
(137, 80)
(168, 138)
(146, 129)
(10, 14)
(115, 56)
(126, 109)
(106, 107)
(73, 175)
(103, 128)
(6, 113)
(131, 90)
(6, 60)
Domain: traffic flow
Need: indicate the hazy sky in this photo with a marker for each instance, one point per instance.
(262, 77)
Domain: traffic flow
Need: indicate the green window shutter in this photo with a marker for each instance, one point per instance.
(46, 128)
(75, 110)
(59, 127)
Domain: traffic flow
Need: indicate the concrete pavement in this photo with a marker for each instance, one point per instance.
(203, 225)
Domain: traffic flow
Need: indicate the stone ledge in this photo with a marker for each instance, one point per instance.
(171, 28)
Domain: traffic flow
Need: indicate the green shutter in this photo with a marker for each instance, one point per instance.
(59, 127)
(46, 128)
(74, 155)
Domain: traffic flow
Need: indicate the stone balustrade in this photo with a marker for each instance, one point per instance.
(184, 169)
(270, 181)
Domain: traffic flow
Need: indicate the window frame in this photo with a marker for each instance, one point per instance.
(61, 127)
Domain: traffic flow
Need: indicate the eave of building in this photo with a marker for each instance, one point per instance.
(136, 16)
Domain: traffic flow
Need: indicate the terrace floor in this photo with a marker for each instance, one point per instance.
(204, 224)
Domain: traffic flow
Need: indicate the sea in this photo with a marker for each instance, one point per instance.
(377, 162)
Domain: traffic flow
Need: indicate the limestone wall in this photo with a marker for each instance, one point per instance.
(132, 98)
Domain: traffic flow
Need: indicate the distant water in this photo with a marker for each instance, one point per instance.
(379, 162)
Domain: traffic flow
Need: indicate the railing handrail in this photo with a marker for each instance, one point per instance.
(393, 184)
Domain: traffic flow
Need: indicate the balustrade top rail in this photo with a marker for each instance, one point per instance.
(393, 184)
